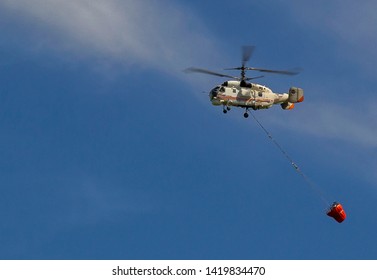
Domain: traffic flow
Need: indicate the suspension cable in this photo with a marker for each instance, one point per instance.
(309, 182)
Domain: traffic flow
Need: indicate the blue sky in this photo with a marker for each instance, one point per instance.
(109, 151)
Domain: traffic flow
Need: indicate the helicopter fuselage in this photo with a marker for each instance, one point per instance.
(250, 95)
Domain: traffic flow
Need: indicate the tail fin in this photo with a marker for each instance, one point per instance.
(296, 95)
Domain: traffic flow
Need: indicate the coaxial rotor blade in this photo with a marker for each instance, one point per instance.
(253, 78)
(204, 71)
(247, 51)
(234, 68)
(284, 72)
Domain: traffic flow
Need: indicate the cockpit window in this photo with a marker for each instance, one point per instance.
(222, 89)
(214, 91)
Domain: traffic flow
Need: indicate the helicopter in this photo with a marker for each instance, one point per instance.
(239, 92)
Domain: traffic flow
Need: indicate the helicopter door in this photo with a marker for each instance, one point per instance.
(254, 95)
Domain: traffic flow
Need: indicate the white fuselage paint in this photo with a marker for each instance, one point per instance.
(255, 96)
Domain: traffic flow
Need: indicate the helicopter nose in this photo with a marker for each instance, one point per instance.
(213, 93)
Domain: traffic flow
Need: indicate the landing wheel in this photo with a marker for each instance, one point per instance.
(245, 115)
(226, 109)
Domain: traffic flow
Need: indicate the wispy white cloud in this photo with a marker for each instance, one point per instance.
(346, 28)
(346, 132)
(156, 34)
(166, 36)
(338, 122)
(349, 23)
(91, 202)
